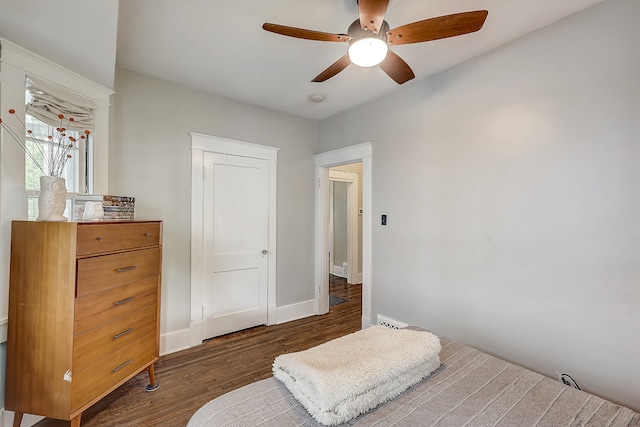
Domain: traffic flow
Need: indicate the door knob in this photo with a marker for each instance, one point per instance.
(264, 252)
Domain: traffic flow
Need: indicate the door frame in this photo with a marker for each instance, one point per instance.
(206, 143)
(324, 161)
(353, 181)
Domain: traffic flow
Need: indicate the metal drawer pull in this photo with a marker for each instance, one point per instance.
(114, 370)
(123, 269)
(124, 301)
(147, 234)
(115, 337)
(99, 238)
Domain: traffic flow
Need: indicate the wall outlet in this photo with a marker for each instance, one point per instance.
(568, 380)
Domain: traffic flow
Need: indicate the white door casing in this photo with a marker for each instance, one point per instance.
(233, 230)
(356, 153)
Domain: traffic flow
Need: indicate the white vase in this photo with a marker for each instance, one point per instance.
(52, 199)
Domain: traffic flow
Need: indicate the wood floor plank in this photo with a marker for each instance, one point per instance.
(190, 378)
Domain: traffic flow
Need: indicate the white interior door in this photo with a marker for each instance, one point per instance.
(235, 243)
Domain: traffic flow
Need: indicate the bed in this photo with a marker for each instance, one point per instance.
(469, 388)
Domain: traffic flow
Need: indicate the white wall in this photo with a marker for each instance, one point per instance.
(150, 159)
(511, 188)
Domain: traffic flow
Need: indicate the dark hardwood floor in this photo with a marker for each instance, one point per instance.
(190, 378)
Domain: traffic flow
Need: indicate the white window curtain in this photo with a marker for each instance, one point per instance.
(46, 101)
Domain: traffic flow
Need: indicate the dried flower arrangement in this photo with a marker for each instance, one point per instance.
(53, 162)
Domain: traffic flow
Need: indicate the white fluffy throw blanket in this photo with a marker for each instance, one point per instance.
(343, 378)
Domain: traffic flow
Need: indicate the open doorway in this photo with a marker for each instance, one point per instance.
(361, 153)
(345, 229)
(345, 222)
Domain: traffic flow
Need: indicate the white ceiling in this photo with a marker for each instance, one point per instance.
(220, 47)
(77, 34)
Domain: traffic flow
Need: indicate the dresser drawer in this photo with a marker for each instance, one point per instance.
(110, 237)
(108, 271)
(93, 346)
(95, 309)
(108, 373)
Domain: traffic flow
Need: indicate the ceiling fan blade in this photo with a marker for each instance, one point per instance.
(372, 14)
(437, 28)
(396, 68)
(301, 33)
(333, 69)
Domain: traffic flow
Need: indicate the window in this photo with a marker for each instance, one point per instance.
(44, 104)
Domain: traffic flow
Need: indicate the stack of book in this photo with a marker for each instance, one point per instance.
(118, 207)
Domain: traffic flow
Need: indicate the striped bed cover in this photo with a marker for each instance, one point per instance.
(471, 388)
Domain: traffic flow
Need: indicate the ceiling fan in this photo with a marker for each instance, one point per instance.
(371, 32)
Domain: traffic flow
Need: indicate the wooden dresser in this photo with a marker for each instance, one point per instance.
(84, 313)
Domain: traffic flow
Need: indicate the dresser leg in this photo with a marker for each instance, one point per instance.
(75, 422)
(152, 386)
(17, 419)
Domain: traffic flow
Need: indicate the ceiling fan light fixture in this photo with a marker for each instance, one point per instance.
(368, 51)
(368, 38)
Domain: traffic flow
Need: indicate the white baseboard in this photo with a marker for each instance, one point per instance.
(175, 341)
(296, 311)
(3, 329)
(338, 271)
(183, 339)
